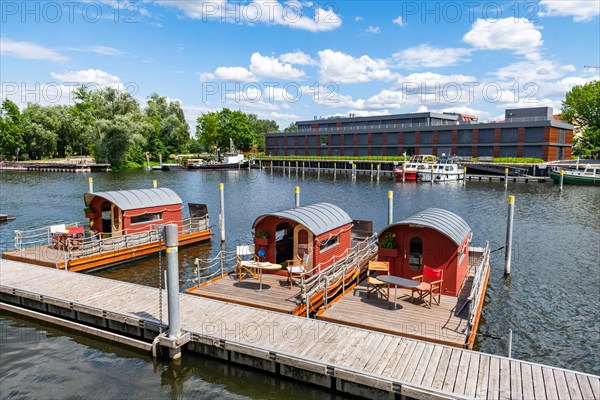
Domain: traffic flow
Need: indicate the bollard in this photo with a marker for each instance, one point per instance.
(464, 175)
(172, 241)
(90, 185)
(297, 196)
(505, 178)
(378, 171)
(371, 170)
(222, 212)
(154, 183)
(509, 229)
(334, 168)
(432, 174)
(403, 173)
(562, 179)
(390, 207)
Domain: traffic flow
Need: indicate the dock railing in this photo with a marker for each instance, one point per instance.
(218, 266)
(36, 237)
(322, 286)
(479, 258)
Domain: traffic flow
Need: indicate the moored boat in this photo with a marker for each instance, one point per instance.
(233, 159)
(417, 164)
(587, 176)
(446, 169)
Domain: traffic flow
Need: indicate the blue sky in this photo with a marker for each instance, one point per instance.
(291, 61)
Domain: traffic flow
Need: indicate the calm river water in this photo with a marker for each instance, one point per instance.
(550, 300)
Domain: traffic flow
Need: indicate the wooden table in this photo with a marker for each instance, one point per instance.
(398, 281)
(260, 266)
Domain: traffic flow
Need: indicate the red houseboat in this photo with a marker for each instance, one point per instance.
(122, 225)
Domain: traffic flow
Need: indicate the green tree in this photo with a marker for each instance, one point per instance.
(169, 131)
(216, 128)
(581, 108)
(291, 128)
(11, 130)
(41, 124)
(207, 129)
(261, 128)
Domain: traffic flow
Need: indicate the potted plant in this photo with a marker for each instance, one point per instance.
(89, 212)
(387, 246)
(262, 238)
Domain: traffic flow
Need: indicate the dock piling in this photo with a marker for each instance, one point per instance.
(510, 337)
(505, 178)
(509, 229)
(403, 172)
(390, 207)
(90, 185)
(464, 176)
(432, 174)
(222, 215)
(378, 171)
(562, 179)
(154, 183)
(297, 196)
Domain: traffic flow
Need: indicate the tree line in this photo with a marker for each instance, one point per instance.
(113, 128)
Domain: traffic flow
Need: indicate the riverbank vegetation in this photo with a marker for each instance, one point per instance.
(581, 108)
(112, 127)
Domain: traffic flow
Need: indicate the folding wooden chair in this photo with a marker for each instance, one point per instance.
(244, 254)
(431, 282)
(374, 285)
(297, 268)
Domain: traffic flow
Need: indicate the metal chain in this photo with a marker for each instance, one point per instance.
(160, 287)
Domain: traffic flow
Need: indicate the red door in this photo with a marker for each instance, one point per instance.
(412, 257)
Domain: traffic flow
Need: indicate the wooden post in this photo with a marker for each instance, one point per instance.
(90, 185)
(505, 178)
(222, 215)
(297, 196)
(154, 183)
(509, 229)
(390, 207)
(562, 179)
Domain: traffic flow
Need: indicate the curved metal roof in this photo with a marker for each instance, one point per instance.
(136, 199)
(443, 221)
(319, 217)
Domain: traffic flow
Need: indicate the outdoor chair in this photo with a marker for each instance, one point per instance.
(58, 233)
(76, 236)
(297, 268)
(431, 283)
(243, 254)
(374, 285)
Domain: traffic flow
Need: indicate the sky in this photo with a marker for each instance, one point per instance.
(298, 60)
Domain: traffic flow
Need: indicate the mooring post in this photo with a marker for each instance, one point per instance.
(297, 196)
(464, 175)
(378, 171)
(172, 243)
(334, 168)
(510, 335)
(222, 193)
(432, 174)
(154, 183)
(371, 170)
(90, 185)
(509, 229)
(403, 172)
(390, 207)
(562, 179)
(505, 178)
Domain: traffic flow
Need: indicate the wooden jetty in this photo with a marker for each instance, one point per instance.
(349, 359)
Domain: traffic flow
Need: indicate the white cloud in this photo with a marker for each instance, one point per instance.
(232, 74)
(298, 57)
(431, 57)
(373, 29)
(293, 14)
(517, 34)
(580, 10)
(271, 67)
(399, 21)
(562, 86)
(96, 76)
(100, 50)
(358, 18)
(533, 71)
(468, 111)
(29, 51)
(277, 115)
(339, 67)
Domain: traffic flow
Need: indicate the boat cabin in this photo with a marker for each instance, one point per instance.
(318, 234)
(130, 211)
(434, 237)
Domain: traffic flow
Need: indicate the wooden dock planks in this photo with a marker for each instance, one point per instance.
(351, 353)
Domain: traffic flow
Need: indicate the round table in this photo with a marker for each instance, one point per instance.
(260, 266)
(397, 281)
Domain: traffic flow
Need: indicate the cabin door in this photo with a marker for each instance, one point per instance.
(303, 247)
(413, 255)
(116, 223)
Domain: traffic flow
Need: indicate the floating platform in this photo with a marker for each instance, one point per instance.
(6, 218)
(344, 358)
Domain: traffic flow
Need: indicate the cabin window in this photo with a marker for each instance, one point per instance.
(328, 244)
(415, 256)
(140, 219)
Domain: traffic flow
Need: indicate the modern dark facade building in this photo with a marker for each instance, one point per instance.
(525, 132)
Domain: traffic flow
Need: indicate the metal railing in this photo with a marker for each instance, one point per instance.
(331, 280)
(480, 259)
(35, 237)
(219, 265)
